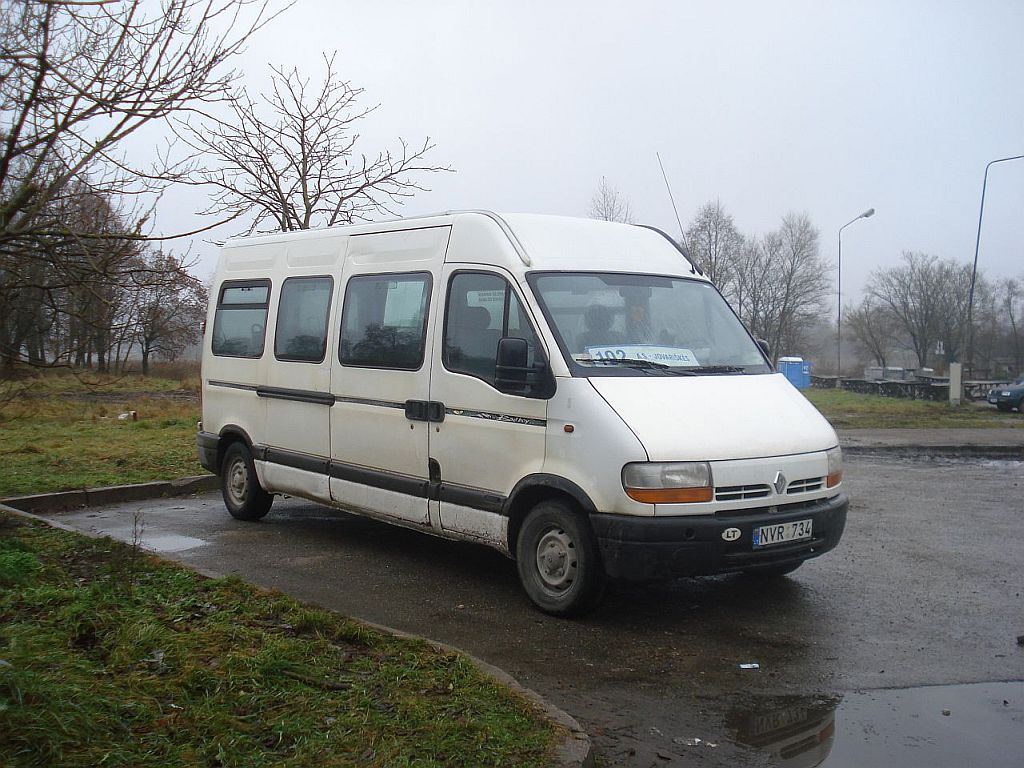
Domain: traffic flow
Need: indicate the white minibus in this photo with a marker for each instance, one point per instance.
(574, 393)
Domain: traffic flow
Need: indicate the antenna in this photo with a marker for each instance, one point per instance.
(682, 235)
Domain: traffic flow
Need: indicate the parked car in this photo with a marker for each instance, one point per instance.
(1008, 396)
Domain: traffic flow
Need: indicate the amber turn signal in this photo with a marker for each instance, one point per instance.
(670, 495)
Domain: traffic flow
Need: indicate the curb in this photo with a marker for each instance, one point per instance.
(112, 494)
(576, 749)
(927, 451)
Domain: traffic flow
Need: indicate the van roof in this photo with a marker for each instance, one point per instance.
(544, 242)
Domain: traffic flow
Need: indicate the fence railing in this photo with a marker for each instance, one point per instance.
(937, 389)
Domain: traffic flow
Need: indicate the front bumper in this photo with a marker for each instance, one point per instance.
(643, 548)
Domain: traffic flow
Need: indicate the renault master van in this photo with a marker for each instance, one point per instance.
(573, 393)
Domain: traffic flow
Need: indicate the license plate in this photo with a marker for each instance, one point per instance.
(766, 535)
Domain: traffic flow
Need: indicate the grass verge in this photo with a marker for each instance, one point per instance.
(846, 410)
(60, 443)
(110, 657)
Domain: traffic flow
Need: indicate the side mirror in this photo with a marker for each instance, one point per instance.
(513, 373)
(765, 348)
(513, 353)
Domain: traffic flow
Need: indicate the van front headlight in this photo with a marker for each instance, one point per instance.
(835, 466)
(678, 482)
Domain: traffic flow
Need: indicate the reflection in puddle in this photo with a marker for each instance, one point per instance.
(794, 731)
(932, 727)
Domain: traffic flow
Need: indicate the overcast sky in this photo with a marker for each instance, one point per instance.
(828, 108)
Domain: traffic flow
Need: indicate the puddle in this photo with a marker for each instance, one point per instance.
(171, 542)
(934, 727)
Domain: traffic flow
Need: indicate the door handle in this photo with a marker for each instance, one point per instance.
(423, 410)
(416, 410)
(435, 411)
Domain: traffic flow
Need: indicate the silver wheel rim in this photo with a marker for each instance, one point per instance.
(556, 560)
(237, 482)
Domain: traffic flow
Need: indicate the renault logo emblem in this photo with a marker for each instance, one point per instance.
(779, 483)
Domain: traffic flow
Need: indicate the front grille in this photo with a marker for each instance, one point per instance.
(741, 492)
(805, 486)
(792, 506)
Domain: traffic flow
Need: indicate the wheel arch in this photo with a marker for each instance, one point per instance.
(229, 435)
(532, 490)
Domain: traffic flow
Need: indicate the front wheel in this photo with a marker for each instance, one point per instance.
(558, 561)
(243, 495)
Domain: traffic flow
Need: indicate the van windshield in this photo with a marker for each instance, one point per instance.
(616, 324)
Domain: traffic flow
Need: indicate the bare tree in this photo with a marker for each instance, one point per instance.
(874, 327)
(929, 299)
(608, 204)
(953, 281)
(76, 80)
(170, 313)
(292, 159)
(712, 238)
(780, 283)
(1013, 307)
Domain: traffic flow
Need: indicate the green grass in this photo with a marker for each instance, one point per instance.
(109, 657)
(846, 410)
(59, 443)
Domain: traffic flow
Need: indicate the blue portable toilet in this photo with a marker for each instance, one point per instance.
(796, 370)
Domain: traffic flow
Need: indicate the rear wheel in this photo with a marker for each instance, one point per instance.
(558, 561)
(243, 495)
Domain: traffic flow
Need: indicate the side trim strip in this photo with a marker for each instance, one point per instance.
(303, 461)
(420, 487)
(378, 478)
(232, 385)
(464, 496)
(368, 401)
(502, 417)
(297, 395)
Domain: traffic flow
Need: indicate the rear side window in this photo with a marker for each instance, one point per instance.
(301, 333)
(240, 321)
(384, 321)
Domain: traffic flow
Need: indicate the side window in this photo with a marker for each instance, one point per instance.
(384, 321)
(301, 333)
(240, 320)
(482, 308)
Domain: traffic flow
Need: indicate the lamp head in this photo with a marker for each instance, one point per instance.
(868, 213)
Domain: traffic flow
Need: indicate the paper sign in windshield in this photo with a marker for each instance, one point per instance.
(665, 355)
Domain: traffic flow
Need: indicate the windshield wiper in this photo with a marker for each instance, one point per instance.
(626, 362)
(638, 364)
(718, 369)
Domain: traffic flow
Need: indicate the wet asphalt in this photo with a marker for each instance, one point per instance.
(926, 589)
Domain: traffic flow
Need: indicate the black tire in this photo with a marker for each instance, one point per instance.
(558, 561)
(243, 495)
(772, 571)
(1004, 406)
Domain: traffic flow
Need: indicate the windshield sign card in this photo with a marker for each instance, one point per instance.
(655, 354)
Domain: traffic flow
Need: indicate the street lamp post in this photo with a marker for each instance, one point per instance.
(974, 269)
(839, 293)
